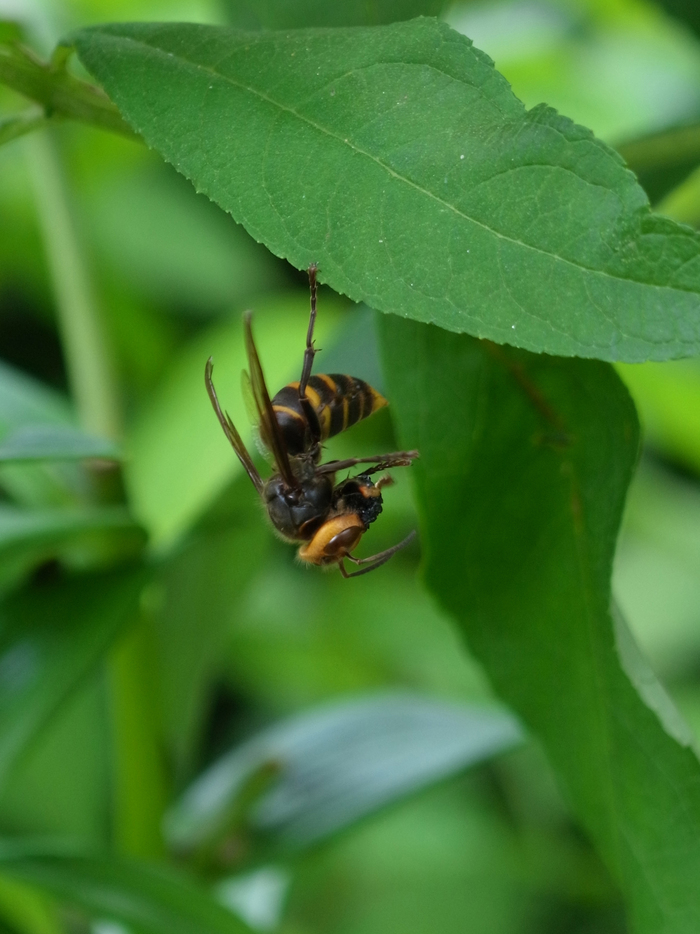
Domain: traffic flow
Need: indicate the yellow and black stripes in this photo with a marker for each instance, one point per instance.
(336, 402)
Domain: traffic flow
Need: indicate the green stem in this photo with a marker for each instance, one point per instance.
(57, 91)
(140, 786)
(82, 333)
(20, 124)
(139, 776)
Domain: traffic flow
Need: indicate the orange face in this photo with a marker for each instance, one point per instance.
(334, 540)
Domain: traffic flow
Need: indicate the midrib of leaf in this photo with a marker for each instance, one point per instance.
(284, 108)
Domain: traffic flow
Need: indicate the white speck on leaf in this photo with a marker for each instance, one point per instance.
(462, 156)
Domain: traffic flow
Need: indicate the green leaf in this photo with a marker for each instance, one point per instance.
(10, 31)
(28, 537)
(26, 401)
(154, 900)
(338, 764)
(50, 637)
(400, 161)
(524, 466)
(280, 14)
(53, 442)
(27, 911)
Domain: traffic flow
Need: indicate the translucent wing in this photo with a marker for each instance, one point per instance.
(269, 429)
(230, 430)
(249, 399)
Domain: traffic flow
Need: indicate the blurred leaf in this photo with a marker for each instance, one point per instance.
(167, 243)
(10, 31)
(339, 764)
(522, 507)
(668, 398)
(456, 206)
(26, 401)
(683, 202)
(204, 584)
(444, 862)
(657, 570)
(663, 159)
(28, 537)
(155, 900)
(18, 124)
(26, 909)
(687, 11)
(62, 785)
(51, 442)
(50, 637)
(280, 14)
(179, 459)
(327, 643)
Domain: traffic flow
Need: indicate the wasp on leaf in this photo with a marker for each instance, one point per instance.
(302, 498)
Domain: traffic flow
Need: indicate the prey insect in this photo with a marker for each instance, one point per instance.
(303, 500)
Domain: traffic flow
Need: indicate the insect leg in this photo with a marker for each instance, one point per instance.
(376, 561)
(310, 351)
(383, 461)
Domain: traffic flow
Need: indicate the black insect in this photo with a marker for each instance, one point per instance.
(302, 498)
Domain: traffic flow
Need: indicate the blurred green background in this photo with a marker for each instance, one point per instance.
(232, 635)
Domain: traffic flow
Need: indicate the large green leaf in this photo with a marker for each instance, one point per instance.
(152, 900)
(50, 636)
(340, 763)
(280, 14)
(399, 160)
(524, 465)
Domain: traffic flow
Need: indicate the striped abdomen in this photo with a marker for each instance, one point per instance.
(337, 401)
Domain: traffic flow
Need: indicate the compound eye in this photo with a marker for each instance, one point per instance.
(344, 542)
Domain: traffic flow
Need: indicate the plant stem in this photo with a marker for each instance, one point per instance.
(20, 124)
(138, 772)
(82, 334)
(57, 91)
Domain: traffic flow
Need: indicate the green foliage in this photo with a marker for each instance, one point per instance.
(433, 193)
(337, 765)
(50, 638)
(198, 735)
(276, 14)
(154, 901)
(547, 452)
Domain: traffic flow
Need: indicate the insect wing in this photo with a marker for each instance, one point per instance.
(269, 429)
(249, 399)
(231, 431)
